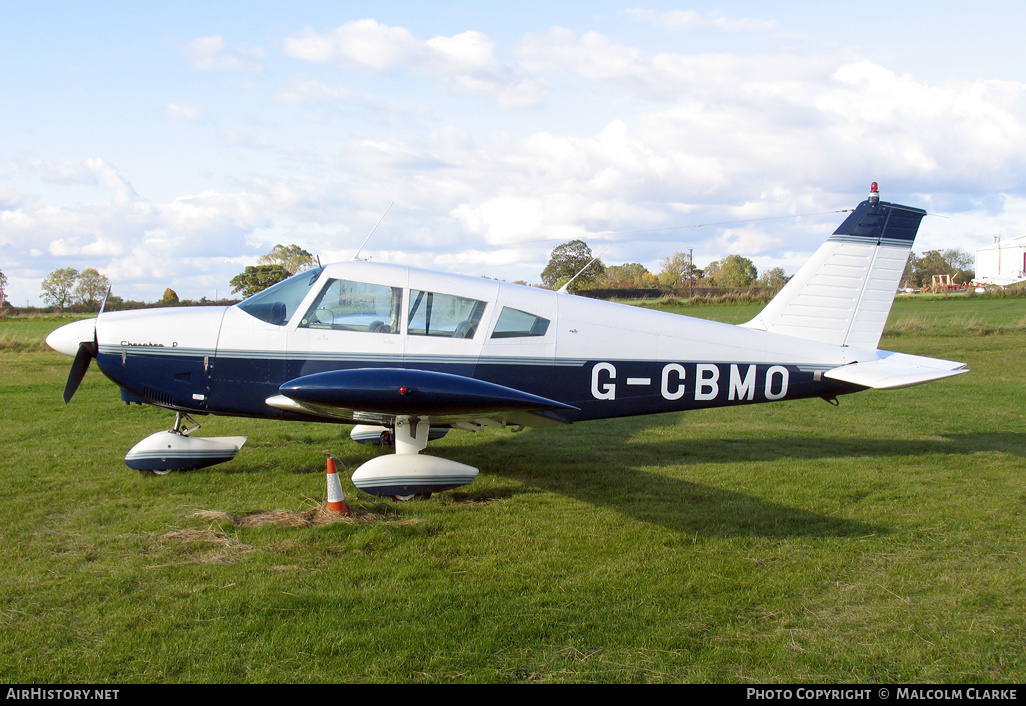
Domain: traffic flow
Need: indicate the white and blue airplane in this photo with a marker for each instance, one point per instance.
(408, 354)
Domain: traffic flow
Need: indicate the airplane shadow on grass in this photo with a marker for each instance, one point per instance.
(600, 464)
(584, 471)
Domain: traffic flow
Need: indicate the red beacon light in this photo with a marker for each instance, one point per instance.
(874, 193)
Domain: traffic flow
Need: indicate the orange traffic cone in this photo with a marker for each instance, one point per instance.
(336, 500)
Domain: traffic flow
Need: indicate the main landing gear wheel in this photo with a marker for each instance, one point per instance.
(407, 475)
(413, 496)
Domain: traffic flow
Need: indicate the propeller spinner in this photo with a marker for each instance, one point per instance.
(76, 339)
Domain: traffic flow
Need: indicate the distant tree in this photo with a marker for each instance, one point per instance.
(629, 275)
(920, 269)
(3, 288)
(637, 275)
(963, 263)
(566, 261)
(257, 278)
(930, 263)
(90, 288)
(733, 271)
(910, 278)
(292, 257)
(959, 259)
(710, 272)
(58, 287)
(679, 272)
(170, 297)
(774, 278)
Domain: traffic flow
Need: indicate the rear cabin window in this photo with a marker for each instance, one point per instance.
(344, 305)
(514, 323)
(446, 315)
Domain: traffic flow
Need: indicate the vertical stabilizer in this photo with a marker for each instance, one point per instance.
(844, 293)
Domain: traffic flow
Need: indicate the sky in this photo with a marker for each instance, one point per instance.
(172, 144)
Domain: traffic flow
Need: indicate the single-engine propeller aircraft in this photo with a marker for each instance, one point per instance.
(409, 354)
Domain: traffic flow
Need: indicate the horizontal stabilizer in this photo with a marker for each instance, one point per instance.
(894, 370)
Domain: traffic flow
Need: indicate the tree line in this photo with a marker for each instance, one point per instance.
(572, 262)
(67, 289)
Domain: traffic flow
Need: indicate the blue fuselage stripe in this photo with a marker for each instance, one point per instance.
(239, 385)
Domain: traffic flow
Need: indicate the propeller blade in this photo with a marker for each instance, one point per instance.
(79, 367)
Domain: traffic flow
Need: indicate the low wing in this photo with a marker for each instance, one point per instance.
(379, 395)
(894, 370)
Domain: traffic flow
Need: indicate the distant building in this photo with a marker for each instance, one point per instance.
(1002, 263)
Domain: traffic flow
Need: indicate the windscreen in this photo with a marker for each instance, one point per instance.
(278, 303)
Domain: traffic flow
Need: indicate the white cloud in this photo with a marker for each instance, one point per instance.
(690, 19)
(622, 144)
(666, 77)
(303, 91)
(208, 54)
(748, 241)
(365, 43)
(184, 112)
(465, 62)
(727, 115)
(122, 192)
(10, 199)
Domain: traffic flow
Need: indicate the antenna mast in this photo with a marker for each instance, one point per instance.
(565, 288)
(360, 249)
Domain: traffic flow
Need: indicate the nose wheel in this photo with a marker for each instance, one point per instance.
(175, 450)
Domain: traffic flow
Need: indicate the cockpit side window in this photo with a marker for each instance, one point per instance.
(434, 314)
(514, 323)
(344, 305)
(278, 303)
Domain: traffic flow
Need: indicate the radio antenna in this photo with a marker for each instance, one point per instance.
(359, 249)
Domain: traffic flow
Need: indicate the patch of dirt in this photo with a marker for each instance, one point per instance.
(218, 544)
(319, 515)
(223, 547)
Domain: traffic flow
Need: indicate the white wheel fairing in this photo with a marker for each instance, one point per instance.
(411, 474)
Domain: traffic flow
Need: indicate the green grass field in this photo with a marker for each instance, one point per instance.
(879, 541)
